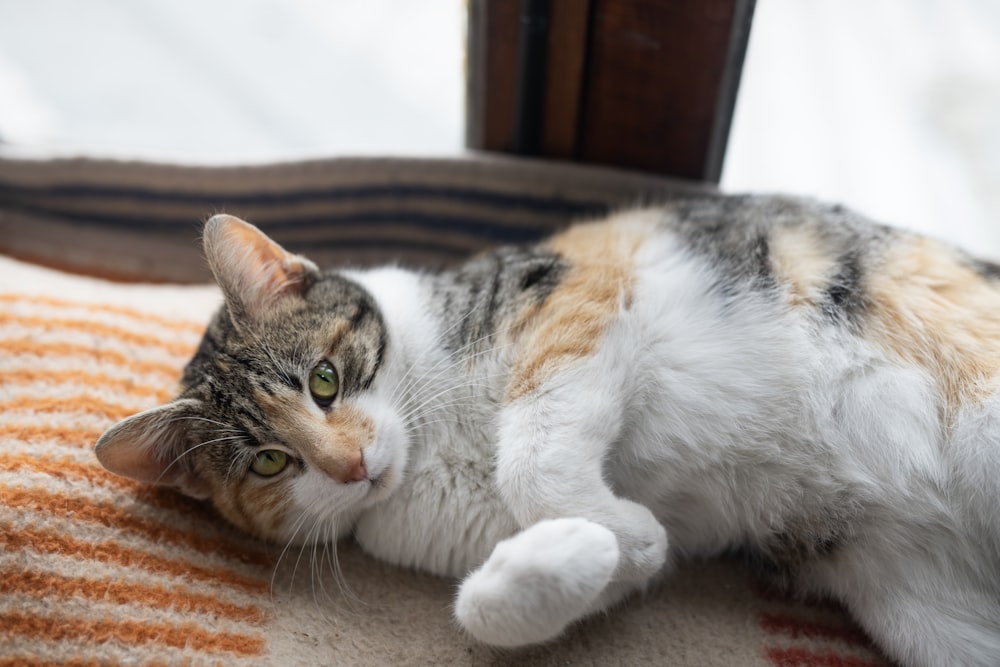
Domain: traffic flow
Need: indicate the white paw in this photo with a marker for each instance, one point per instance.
(537, 582)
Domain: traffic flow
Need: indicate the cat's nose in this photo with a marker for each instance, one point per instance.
(354, 470)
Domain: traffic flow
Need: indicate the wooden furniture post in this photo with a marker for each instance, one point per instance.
(648, 85)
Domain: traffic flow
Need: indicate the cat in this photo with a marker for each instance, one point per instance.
(559, 425)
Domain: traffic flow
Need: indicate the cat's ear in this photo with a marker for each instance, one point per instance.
(151, 447)
(254, 272)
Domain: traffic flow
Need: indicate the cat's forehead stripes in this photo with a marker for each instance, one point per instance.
(343, 321)
(596, 285)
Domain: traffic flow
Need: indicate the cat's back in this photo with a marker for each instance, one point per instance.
(847, 359)
(841, 357)
(914, 300)
(743, 271)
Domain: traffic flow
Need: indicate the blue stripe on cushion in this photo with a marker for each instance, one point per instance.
(540, 204)
(468, 226)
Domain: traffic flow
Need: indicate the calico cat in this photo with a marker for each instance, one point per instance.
(560, 424)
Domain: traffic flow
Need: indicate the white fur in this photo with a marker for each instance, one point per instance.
(556, 570)
(694, 426)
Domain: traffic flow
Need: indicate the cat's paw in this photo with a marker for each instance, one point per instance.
(537, 582)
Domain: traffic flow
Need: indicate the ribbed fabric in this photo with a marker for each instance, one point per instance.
(142, 220)
(95, 569)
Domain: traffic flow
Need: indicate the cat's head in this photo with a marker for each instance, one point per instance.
(284, 420)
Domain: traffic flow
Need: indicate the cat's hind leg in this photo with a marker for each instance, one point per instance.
(583, 547)
(923, 596)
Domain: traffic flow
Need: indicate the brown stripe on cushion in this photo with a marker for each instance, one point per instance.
(95, 328)
(134, 313)
(27, 346)
(21, 581)
(70, 436)
(120, 385)
(82, 509)
(180, 507)
(42, 541)
(69, 403)
(55, 628)
(71, 470)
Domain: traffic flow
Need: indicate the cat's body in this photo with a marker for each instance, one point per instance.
(721, 373)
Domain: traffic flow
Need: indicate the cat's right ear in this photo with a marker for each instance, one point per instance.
(254, 272)
(152, 447)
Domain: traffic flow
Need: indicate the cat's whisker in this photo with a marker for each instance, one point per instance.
(298, 558)
(313, 544)
(439, 368)
(323, 550)
(456, 357)
(416, 392)
(342, 581)
(296, 527)
(438, 338)
(419, 418)
(241, 461)
(187, 451)
(412, 410)
(222, 426)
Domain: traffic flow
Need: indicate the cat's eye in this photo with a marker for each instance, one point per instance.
(269, 462)
(324, 383)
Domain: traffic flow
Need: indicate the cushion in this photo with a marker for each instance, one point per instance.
(97, 569)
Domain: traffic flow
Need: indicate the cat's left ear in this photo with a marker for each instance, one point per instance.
(152, 447)
(254, 272)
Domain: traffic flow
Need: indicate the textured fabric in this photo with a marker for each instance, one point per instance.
(96, 569)
(141, 221)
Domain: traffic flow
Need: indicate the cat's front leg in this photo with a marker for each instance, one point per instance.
(537, 582)
(551, 454)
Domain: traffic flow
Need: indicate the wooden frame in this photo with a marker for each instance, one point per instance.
(648, 85)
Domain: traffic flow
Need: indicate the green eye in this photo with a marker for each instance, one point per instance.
(269, 462)
(324, 383)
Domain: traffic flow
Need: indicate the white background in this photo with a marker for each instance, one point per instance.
(890, 106)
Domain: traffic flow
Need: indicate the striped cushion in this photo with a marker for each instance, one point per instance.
(96, 569)
(141, 220)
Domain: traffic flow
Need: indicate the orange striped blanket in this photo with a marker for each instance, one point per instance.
(95, 569)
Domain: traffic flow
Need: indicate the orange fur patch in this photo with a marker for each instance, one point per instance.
(801, 263)
(598, 284)
(930, 308)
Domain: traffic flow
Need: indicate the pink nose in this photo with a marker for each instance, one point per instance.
(356, 474)
(350, 468)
